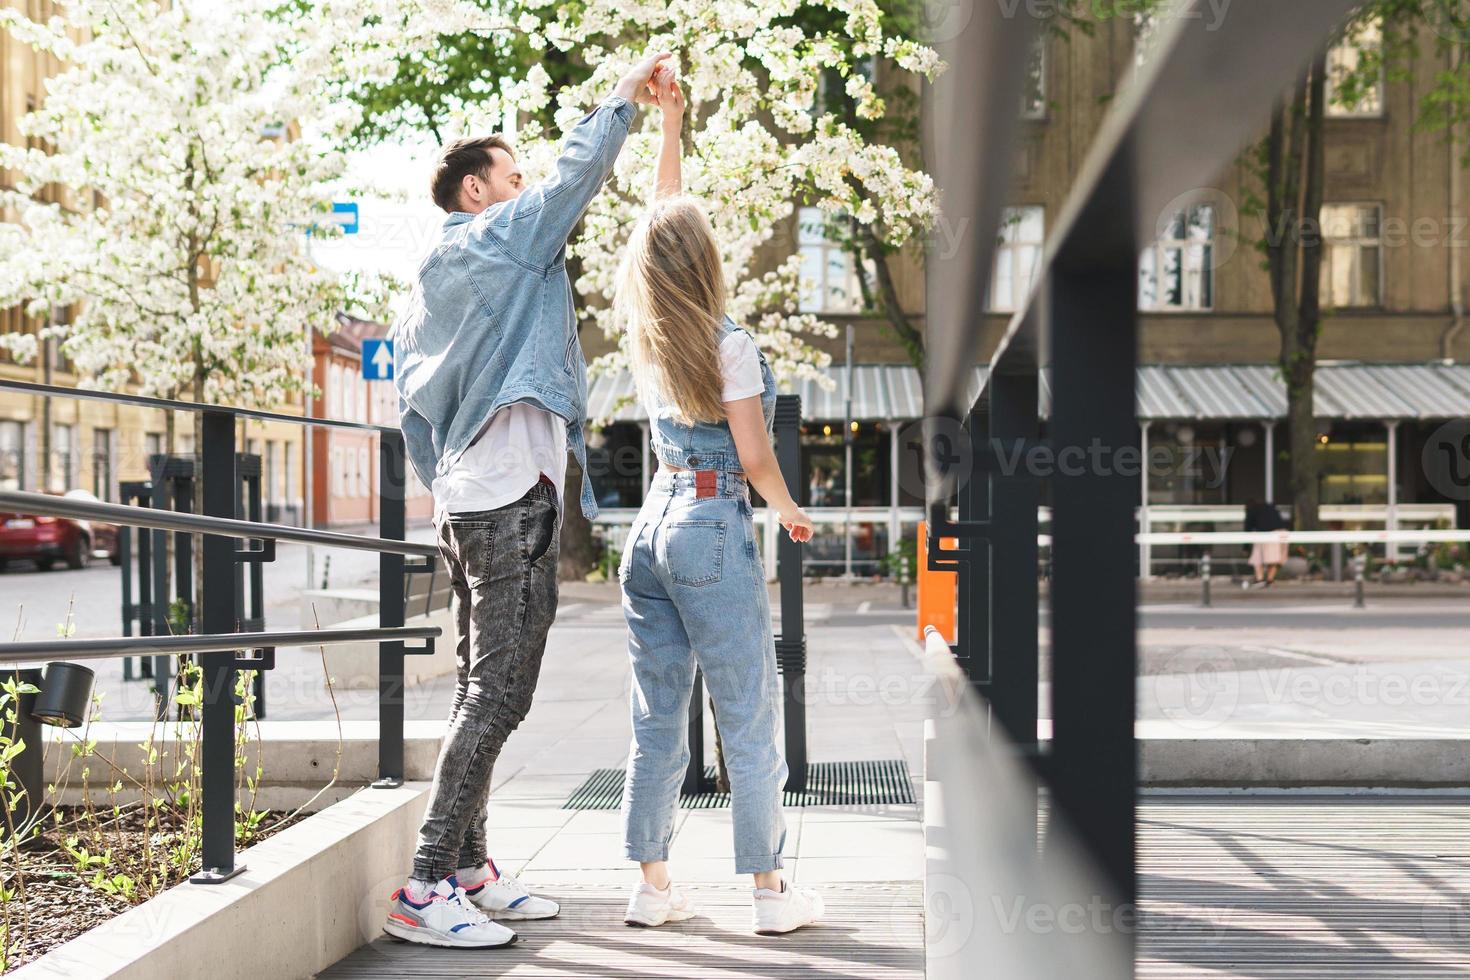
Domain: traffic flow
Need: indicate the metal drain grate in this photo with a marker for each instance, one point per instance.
(828, 784)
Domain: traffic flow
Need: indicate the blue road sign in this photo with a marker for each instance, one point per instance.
(377, 359)
(344, 213)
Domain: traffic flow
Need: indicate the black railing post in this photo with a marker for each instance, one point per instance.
(26, 769)
(1014, 499)
(694, 772)
(791, 644)
(1093, 763)
(138, 493)
(217, 738)
(251, 611)
(973, 648)
(158, 607)
(392, 476)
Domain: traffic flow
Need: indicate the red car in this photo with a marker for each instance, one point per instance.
(47, 540)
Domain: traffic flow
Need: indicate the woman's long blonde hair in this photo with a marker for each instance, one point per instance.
(671, 297)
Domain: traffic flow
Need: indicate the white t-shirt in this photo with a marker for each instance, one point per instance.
(740, 366)
(517, 445)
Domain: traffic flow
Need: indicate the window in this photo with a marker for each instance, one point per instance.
(828, 272)
(1177, 271)
(1033, 92)
(62, 457)
(102, 464)
(291, 484)
(12, 456)
(338, 475)
(1352, 255)
(362, 472)
(270, 492)
(1022, 234)
(1348, 95)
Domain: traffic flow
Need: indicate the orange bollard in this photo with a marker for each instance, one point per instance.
(938, 591)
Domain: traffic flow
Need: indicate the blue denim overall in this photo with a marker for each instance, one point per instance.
(694, 592)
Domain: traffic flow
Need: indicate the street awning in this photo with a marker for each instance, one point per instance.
(1165, 391)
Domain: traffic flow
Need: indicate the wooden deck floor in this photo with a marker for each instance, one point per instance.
(874, 931)
(1300, 888)
(1241, 887)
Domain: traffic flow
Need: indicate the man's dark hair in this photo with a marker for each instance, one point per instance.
(457, 160)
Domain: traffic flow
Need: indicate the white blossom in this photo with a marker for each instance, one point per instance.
(177, 162)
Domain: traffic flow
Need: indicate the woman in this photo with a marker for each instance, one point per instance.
(694, 589)
(1266, 557)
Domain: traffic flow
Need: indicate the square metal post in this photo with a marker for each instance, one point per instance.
(973, 647)
(392, 477)
(694, 772)
(217, 746)
(791, 644)
(1094, 592)
(1014, 498)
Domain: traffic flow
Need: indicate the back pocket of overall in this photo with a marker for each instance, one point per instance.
(695, 551)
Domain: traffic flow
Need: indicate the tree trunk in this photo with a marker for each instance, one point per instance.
(1294, 191)
(578, 550)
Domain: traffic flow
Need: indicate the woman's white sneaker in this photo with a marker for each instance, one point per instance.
(447, 918)
(785, 910)
(651, 907)
(506, 898)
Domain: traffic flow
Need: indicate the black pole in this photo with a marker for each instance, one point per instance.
(1094, 590)
(158, 601)
(217, 740)
(253, 608)
(973, 647)
(391, 479)
(791, 644)
(1014, 496)
(694, 772)
(26, 768)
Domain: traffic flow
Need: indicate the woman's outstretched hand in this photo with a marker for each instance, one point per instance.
(797, 524)
(670, 96)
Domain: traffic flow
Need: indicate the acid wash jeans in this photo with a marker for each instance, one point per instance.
(502, 564)
(694, 592)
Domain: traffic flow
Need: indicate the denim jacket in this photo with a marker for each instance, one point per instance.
(490, 320)
(705, 445)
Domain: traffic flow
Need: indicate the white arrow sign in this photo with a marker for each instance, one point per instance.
(377, 359)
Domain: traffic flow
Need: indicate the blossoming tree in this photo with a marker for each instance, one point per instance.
(760, 136)
(170, 176)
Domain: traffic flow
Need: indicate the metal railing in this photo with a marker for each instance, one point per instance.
(1205, 90)
(219, 642)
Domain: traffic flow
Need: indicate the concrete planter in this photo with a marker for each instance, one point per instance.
(292, 913)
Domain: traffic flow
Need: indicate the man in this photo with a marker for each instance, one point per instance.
(492, 388)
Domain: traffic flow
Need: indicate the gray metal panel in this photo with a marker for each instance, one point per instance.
(612, 397)
(1352, 391)
(1429, 389)
(906, 400)
(1264, 383)
(1158, 397)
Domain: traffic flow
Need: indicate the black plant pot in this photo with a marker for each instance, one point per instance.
(66, 694)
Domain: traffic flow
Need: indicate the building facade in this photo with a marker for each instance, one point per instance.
(1394, 355)
(345, 462)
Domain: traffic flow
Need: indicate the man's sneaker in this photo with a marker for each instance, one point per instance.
(651, 907)
(785, 910)
(448, 918)
(503, 897)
